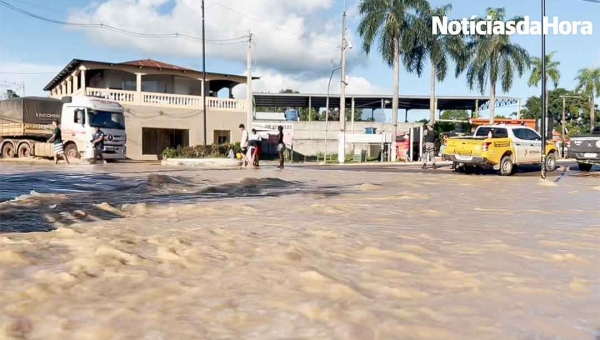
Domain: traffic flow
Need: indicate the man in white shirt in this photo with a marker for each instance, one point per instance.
(244, 144)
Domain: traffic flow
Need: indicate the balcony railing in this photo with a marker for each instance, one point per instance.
(128, 97)
(167, 99)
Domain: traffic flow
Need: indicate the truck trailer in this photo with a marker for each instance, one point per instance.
(26, 125)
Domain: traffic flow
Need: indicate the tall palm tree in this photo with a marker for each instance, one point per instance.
(494, 60)
(421, 45)
(588, 83)
(386, 21)
(552, 73)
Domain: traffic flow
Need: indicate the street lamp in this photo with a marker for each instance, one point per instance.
(204, 75)
(327, 110)
(544, 108)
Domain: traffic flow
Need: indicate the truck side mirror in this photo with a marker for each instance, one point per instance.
(80, 117)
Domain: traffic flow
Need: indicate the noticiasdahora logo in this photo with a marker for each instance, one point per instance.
(478, 26)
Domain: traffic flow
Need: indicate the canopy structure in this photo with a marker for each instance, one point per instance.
(374, 102)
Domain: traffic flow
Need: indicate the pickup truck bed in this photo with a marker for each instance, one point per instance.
(586, 149)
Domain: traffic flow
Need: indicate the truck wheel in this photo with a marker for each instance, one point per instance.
(584, 167)
(24, 150)
(71, 151)
(506, 166)
(551, 162)
(8, 150)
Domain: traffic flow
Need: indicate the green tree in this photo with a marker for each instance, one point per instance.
(552, 73)
(11, 94)
(308, 114)
(455, 115)
(588, 83)
(533, 106)
(420, 45)
(334, 115)
(494, 60)
(386, 21)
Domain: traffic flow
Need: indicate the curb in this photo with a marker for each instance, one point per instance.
(218, 163)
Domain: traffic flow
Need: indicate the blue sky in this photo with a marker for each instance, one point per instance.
(29, 45)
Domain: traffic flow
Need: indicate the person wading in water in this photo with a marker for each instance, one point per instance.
(429, 137)
(58, 142)
(280, 146)
(98, 143)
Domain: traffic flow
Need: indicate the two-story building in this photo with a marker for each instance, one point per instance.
(163, 102)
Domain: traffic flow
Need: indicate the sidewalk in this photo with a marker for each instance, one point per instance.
(438, 161)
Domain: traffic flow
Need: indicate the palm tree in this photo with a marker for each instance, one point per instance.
(387, 21)
(495, 59)
(420, 44)
(552, 73)
(588, 83)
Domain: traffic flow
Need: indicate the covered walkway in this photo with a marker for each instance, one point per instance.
(474, 104)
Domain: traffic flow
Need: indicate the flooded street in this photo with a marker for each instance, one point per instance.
(134, 251)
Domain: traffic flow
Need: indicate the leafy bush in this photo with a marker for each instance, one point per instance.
(200, 151)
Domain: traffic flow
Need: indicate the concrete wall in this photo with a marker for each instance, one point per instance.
(309, 137)
(138, 117)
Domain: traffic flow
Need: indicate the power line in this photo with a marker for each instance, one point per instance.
(265, 23)
(230, 41)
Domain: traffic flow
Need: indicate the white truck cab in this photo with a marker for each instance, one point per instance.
(81, 116)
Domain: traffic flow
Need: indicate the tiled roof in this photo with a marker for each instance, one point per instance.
(157, 64)
(75, 63)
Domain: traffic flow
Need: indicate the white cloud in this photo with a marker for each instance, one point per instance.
(293, 37)
(273, 82)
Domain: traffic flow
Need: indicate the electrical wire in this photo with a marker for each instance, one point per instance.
(230, 41)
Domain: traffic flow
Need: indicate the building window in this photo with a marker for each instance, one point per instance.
(222, 137)
(130, 85)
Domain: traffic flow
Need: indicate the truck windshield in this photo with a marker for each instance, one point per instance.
(107, 120)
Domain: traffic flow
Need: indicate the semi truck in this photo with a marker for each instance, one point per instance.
(26, 125)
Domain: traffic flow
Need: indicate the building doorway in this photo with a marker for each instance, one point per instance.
(155, 141)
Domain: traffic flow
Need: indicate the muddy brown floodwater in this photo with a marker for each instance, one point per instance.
(307, 254)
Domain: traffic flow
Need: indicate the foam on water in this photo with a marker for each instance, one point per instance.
(501, 259)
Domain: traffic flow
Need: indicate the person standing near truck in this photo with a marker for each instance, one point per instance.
(58, 142)
(429, 137)
(280, 146)
(98, 142)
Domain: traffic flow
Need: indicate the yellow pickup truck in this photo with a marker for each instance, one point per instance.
(499, 147)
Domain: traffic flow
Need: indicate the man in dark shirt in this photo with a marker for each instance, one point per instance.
(429, 138)
(98, 141)
(56, 139)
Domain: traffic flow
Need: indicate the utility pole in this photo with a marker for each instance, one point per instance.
(327, 111)
(204, 89)
(544, 108)
(342, 136)
(249, 97)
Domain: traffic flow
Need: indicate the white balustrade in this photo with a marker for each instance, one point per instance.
(167, 99)
(225, 104)
(116, 95)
